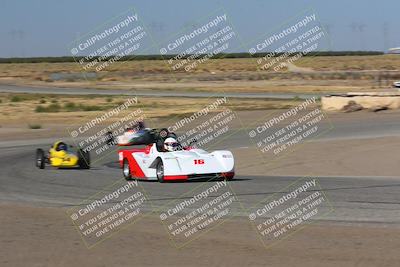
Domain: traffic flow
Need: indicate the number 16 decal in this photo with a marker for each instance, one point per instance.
(198, 161)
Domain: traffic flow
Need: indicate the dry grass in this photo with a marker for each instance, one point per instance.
(380, 62)
(346, 63)
(328, 74)
(25, 110)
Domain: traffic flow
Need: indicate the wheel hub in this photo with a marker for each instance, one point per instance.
(126, 170)
(160, 171)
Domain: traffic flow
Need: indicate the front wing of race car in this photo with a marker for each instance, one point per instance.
(179, 165)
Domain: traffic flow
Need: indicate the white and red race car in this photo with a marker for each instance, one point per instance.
(151, 163)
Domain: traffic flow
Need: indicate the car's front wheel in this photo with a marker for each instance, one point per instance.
(83, 159)
(126, 170)
(160, 171)
(40, 158)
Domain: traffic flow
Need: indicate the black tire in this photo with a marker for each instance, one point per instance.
(160, 171)
(229, 179)
(126, 170)
(83, 159)
(40, 158)
(110, 140)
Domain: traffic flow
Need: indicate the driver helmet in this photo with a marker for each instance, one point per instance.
(170, 144)
(61, 146)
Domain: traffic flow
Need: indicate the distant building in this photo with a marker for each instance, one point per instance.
(395, 50)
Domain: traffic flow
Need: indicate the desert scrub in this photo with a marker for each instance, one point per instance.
(91, 107)
(51, 108)
(35, 126)
(70, 106)
(17, 98)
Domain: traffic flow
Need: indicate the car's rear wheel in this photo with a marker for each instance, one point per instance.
(160, 171)
(83, 159)
(229, 178)
(126, 170)
(40, 158)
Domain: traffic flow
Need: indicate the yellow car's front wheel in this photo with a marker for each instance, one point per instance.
(40, 158)
(84, 159)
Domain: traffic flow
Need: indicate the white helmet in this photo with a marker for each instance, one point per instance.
(170, 144)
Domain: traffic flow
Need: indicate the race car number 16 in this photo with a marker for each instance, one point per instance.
(198, 161)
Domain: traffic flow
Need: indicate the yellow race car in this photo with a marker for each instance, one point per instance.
(61, 155)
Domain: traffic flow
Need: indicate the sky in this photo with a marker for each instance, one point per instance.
(32, 28)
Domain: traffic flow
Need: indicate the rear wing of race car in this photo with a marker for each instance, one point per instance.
(142, 137)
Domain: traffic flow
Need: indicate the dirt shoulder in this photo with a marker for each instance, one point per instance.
(46, 237)
(370, 157)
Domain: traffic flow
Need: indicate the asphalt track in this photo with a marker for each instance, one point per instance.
(353, 200)
(149, 93)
